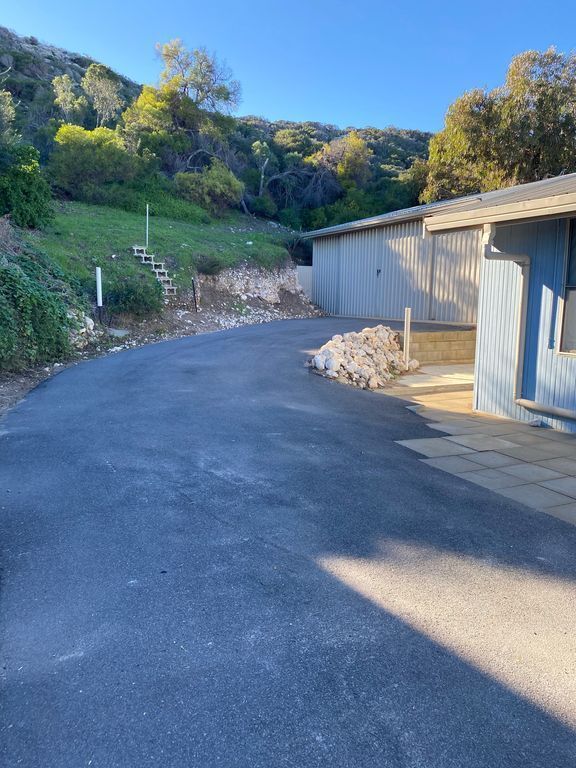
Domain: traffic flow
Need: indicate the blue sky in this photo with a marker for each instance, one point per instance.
(348, 62)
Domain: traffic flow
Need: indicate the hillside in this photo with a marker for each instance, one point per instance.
(82, 237)
(394, 148)
(31, 66)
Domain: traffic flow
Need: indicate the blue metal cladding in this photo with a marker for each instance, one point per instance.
(547, 377)
(378, 272)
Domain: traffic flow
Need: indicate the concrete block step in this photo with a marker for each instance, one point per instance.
(439, 346)
(409, 392)
(160, 273)
(441, 335)
(169, 290)
(165, 280)
(442, 357)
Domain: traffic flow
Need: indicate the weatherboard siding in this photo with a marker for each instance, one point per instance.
(547, 377)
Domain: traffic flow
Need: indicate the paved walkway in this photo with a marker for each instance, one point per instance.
(532, 465)
(431, 378)
(212, 558)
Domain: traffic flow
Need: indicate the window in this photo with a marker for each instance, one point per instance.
(569, 320)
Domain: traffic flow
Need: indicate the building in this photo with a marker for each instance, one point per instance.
(505, 260)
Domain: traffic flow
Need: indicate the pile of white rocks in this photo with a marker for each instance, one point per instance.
(83, 330)
(368, 359)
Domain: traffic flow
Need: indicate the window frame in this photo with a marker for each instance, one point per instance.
(570, 232)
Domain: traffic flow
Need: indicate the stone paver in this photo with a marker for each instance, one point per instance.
(462, 427)
(566, 512)
(492, 459)
(453, 464)
(535, 496)
(532, 465)
(531, 473)
(566, 485)
(565, 466)
(482, 442)
(491, 478)
(548, 449)
(435, 446)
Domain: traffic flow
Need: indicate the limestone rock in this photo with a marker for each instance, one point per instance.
(367, 359)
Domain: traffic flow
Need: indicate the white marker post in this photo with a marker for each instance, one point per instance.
(98, 287)
(147, 215)
(407, 321)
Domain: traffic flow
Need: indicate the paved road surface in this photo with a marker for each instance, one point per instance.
(211, 557)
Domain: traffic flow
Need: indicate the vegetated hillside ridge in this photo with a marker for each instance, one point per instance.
(30, 66)
(394, 149)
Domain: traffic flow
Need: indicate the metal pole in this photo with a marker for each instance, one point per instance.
(194, 294)
(147, 215)
(407, 321)
(98, 287)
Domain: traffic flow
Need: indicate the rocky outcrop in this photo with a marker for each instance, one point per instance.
(368, 359)
(249, 282)
(83, 330)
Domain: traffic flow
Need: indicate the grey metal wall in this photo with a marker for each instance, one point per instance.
(456, 275)
(378, 272)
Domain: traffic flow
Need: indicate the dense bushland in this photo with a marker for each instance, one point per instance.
(35, 297)
(177, 145)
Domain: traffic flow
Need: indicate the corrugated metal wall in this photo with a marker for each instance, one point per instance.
(548, 377)
(378, 272)
(456, 275)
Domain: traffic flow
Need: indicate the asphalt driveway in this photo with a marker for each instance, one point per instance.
(211, 557)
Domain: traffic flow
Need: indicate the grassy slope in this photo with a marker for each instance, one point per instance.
(84, 236)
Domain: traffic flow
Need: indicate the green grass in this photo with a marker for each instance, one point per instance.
(83, 236)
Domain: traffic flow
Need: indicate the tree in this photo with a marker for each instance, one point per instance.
(71, 105)
(348, 157)
(522, 131)
(262, 154)
(7, 116)
(296, 139)
(199, 76)
(8, 136)
(172, 127)
(103, 90)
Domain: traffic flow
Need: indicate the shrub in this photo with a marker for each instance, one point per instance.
(158, 192)
(263, 206)
(85, 160)
(209, 264)
(290, 217)
(24, 193)
(215, 188)
(33, 316)
(136, 295)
